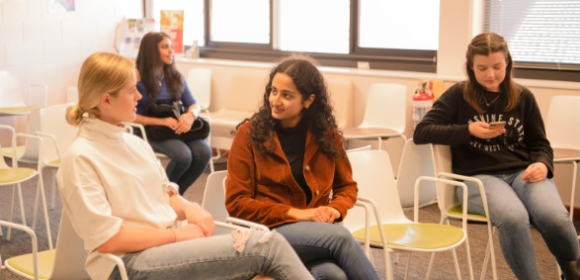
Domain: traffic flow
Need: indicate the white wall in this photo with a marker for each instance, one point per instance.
(49, 47)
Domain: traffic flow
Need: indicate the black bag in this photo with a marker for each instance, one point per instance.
(200, 128)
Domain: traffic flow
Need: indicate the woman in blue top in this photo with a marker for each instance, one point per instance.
(160, 81)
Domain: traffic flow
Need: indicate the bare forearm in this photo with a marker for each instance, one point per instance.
(136, 239)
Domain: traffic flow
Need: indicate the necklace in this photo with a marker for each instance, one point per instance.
(489, 103)
(160, 81)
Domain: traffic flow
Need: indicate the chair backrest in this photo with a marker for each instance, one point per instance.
(373, 172)
(342, 98)
(386, 107)
(10, 92)
(214, 198)
(416, 161)
(199, 81)
(70, 257)
(446, 197)
(563, 122)
(53, 121)
(245, 92)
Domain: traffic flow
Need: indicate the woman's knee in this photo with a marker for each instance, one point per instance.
(200, 150)
(326, 269)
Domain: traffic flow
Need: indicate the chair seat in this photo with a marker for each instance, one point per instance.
(23, 264)
(457, 210)
(368, 132)
(25, 110)
(415, 236)
(15, 175)
(7, 151)
(565, 154)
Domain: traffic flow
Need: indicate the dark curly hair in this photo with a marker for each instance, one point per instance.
(308, 80)
(149, 60)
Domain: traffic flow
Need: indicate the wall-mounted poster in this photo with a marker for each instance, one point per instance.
(129, 34)
(171, 23)
(61, 6)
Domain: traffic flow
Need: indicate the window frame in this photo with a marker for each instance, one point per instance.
(384, 59)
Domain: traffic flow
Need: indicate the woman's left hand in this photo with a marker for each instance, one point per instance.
(198, 216)
(535, 172)
(184, 123)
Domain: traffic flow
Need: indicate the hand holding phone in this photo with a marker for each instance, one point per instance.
(496, 125)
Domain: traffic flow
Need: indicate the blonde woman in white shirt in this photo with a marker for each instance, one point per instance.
(120, 201)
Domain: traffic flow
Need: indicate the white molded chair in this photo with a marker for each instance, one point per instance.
(450, 206)
(199, 82)
(59, 135)
(416, 161)
(563, 131)
(385, 114)
(66, 262)
(373, 172)
(11, 99)
(14, 176)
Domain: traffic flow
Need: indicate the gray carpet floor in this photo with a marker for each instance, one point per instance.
(443, 267)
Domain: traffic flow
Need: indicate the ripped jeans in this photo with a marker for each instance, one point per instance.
(217, 257)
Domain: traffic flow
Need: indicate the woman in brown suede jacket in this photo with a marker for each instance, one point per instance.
(288, 169)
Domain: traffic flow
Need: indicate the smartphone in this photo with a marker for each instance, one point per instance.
(496, 125)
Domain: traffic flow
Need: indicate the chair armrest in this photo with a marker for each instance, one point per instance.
(367, 240)
(119, 263)
(138, 126)
(33, 241)
(469, 179)
(247, 224)
(447, 183)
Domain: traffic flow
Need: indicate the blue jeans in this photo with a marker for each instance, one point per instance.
(514, 203)
(215, 258)
(187, 160)
(329, 251)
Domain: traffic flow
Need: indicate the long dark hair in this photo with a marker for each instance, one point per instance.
(308, 80)
(486, 44)
(149, 62)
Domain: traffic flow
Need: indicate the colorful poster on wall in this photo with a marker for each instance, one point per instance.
(61, 6)
(171, 23)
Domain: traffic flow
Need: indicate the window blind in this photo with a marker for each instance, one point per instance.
(544, 34)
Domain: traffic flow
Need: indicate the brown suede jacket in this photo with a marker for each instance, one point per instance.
(260, 188)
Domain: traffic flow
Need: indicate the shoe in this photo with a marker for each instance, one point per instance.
(572, 271)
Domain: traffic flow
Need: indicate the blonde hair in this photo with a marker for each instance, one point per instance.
(100, 73)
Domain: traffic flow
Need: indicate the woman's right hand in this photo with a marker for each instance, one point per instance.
(169, 122)
(481, 130)
(323, 214)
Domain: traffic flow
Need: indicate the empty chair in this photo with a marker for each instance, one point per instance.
(341, 96)
(563, 131)
(199, 82)
(11, 98)
(384, 116)
(373, 172)
(58, 135)
(15, 175)
(243, 97)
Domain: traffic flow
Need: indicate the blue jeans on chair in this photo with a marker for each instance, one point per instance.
(215, 258)
(187, 160)
(513, 204)
(329, 251)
